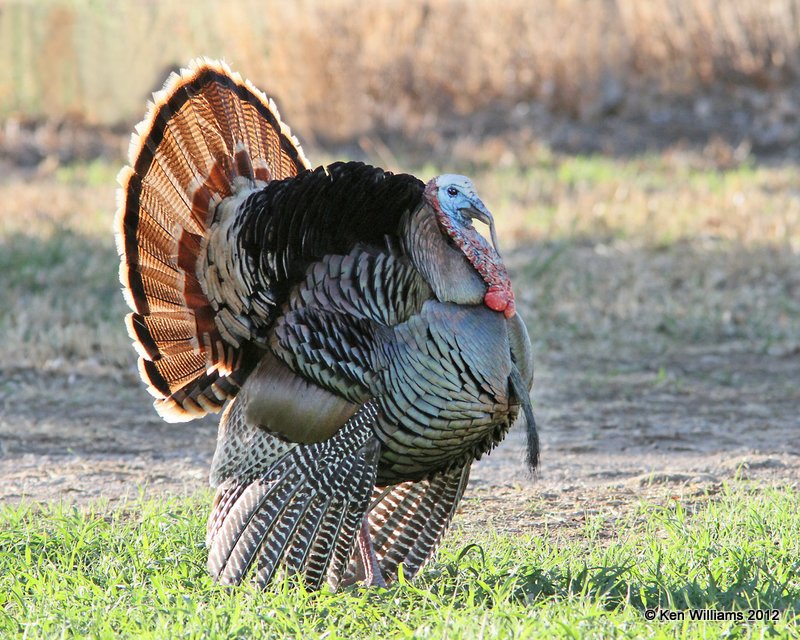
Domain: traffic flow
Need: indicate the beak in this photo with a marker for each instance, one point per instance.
(479, 212)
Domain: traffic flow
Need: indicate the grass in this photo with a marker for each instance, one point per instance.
(60, 300)
(656, 199)
(138, 571)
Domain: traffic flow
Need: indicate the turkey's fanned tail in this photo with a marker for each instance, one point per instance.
(208, 136)
(302, 516)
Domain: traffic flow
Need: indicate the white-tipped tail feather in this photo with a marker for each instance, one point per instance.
(208, 136)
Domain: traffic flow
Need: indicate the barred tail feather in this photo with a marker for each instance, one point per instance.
(208, 136)
(413, 540)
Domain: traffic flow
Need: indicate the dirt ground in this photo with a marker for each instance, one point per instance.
(613, 433)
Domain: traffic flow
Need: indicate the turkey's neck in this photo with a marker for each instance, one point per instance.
(486, 261)
(443, 264)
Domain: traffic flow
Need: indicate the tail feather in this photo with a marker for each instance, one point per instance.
(208, 392)
(162, 334)
(208, 136)
(302, 515)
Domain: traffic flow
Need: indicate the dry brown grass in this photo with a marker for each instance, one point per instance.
(342, 68)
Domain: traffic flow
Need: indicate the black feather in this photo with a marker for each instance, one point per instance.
(293, 222)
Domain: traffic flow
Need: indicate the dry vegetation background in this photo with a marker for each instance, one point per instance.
(344, 69)
(641, 158)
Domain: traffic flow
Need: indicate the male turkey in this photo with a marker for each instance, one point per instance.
(360, 330)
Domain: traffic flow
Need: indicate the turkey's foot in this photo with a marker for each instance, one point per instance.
(367, 558)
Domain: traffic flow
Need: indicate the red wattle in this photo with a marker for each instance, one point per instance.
(498, 299)
(499, 296)
(495, 300)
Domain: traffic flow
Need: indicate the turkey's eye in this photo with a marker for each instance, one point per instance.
(452, 192)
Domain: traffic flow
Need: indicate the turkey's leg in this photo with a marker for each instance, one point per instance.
(366, 552)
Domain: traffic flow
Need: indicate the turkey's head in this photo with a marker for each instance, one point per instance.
(456, 204)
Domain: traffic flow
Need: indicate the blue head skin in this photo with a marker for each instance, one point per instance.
(456, 204)
(458, 200)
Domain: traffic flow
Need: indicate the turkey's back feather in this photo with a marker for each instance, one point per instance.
(293, 223)
(261, 246)
(208, 136)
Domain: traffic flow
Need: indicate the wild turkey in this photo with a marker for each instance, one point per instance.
(362, 333)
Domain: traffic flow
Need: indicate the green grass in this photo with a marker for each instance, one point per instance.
(138, 571)
(97, 173)
(60, 298)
